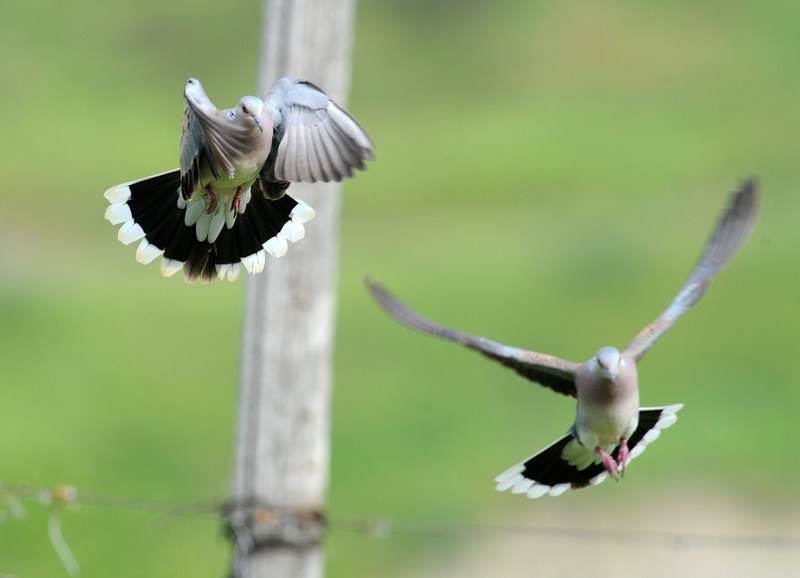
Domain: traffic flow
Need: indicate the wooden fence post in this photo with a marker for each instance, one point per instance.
(282, 448)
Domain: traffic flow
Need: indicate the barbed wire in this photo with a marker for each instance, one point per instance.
(62, 496)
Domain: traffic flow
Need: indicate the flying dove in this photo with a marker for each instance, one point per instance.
(610, 428)
(226, 207)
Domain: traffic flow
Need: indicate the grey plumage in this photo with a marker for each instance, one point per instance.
(246, 156)
(319, 141)
(610, 428)
(731, 232)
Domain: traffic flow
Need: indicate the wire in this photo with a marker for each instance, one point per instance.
(381, 527)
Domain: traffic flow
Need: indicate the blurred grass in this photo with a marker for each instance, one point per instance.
(547, 174)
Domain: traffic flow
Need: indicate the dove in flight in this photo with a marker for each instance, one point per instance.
(610, 428)
(226, 207)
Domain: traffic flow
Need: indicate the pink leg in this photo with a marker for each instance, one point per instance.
(237, 199)
(608, 462)
(623, 455)
(212, 200)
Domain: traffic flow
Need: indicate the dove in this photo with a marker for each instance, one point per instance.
(610, 427)
(226, 207)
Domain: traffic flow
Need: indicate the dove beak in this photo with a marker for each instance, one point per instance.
(258, 123)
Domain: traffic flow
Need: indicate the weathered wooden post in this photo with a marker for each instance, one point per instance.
(282, 448)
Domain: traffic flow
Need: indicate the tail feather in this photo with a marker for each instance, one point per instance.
(227, 250)
(151, 209)
(257, 221)
(182, 243)
(200, 264)
(153, 196)
(165, 231)
(272, 216)
(246, 240)
(550, 472)
(147, 252)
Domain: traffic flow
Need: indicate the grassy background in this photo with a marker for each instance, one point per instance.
(547, 174)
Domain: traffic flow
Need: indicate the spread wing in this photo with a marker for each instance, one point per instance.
(734, 226)
(314, 139)
(549, 371)
(208, 138)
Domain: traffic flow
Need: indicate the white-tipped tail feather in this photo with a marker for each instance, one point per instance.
(147, 253)
(233, 272)
(277, 246)
(302, 213)
(567, 464)
(206, 245)
(293, 231)
(118, 194)
(169, 267)
(254, 263)
(118, 213)
(129, 232)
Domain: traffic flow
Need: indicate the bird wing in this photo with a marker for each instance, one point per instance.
(734, 226)
(208, 137)
(549, 371)
(314, 139)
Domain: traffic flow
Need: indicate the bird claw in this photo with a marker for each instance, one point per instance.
(623, 455)
(237, 199)
(608, 462)
(211, 199)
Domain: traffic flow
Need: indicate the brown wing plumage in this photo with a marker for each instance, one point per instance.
(210, 138)
(552, 372)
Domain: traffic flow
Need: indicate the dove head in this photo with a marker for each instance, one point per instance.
(609, 361)
(251, 107)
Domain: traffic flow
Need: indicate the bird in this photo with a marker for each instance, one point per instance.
(610, 427)
(226, 206)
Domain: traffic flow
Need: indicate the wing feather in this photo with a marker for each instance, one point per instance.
(547, 370)
(209, 139)
(316, 139)
(732, 230)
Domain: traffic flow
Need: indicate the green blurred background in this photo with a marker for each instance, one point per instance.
(547, 174)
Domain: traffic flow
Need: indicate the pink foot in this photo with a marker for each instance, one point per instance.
(623, 455)
(212, 200)
(608, 462)
(237, 199)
